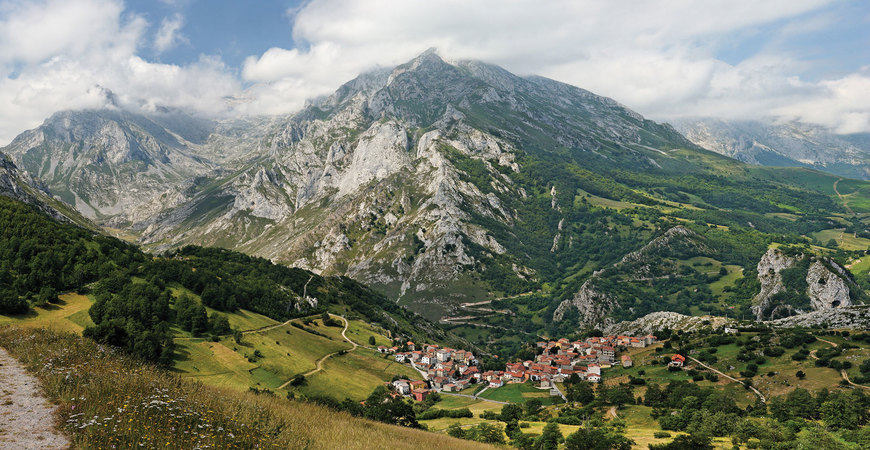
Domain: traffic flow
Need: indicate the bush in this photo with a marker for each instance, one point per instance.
(661, 434)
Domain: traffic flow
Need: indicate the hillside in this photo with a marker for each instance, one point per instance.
(204, 312)
(153, 408)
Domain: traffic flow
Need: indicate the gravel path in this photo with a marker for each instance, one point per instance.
(26, 420)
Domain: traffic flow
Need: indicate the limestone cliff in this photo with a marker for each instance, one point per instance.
(815, 283)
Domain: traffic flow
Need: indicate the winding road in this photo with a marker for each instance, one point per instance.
(318, 366)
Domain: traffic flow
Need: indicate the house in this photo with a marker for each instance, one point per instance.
(402, 387)
(517, 376)
(677, 361)
(382, 349)
(420, 394)
(607, 353)
(729, 330)
(400, 357)
(594, 378)
(594, 369)
(626, 361)
(417, 385)
(442, 354)
(410, 346)
(449, 387)
(439, 382)
(545, 383)
(496, 383)
(650, 339)
(638, 343)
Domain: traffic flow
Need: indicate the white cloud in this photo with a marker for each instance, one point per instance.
(169, 34)
(53, 53)
(656, 57)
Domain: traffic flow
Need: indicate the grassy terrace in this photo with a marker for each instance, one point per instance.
(518, 393)
(286, 351)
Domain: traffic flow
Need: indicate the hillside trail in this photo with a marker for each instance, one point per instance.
(843, 373)
(26, 417)
(611, 413)
(318, 366)
(842, 198)
(752, 388)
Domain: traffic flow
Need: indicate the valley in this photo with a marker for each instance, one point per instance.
(291, 262)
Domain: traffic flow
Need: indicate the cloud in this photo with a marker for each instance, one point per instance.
(53, 53)
(659, 58)
(169, 34)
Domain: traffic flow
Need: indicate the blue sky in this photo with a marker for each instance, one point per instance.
(805, 60)
(232, 29)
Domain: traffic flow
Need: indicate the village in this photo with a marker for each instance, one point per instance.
(450, 370)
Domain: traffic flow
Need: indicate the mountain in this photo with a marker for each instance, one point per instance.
(410, 179)
(444, 183)
(110, 162)
(20, 185)
(788, 144)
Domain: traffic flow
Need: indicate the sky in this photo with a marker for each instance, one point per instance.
(779, 60)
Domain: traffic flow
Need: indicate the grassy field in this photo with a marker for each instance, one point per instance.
(846, 241)
(69, 314)
(285, 351)
(518, 393)
(360, 332)
(477, 407)
(355, 374)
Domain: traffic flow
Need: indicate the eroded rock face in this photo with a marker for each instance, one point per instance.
(592, 305)
(828, 285)
(827, 289)
(772, 262)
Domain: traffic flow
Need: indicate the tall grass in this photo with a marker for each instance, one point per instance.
(109, 400)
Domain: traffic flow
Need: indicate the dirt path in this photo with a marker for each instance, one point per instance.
(26, 419)
(843, 199)
(318, 366)
(842, 372)
(611, 413)
(757, 392)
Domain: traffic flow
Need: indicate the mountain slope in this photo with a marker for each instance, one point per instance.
(116, 166)
(442, 183)
(403, 179)
(789, 144)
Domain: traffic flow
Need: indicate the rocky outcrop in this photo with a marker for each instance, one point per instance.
(772, 262)
(853, 317)
(827, 285)
(826, 288)
(666, 319)
(593, 306)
